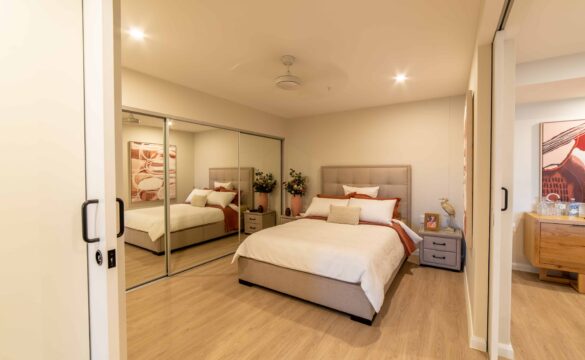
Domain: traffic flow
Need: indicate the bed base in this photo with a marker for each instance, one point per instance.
(338, 295)
(179, 239)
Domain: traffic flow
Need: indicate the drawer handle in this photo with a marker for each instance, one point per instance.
(253, 227)
(439, 257)
(436, 243)
(577, 225)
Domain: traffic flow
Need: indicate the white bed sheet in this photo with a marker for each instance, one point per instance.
(183, 216)
(364, 254)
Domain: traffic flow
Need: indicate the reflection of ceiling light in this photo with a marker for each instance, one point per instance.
(130, 119)
(288, 81)
(136, 33)
(170, 122)
(400, 78)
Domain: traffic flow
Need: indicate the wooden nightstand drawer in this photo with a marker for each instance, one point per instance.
(439, 243)
(254, 222)
(440, 257)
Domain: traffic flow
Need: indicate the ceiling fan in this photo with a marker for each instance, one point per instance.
(288, 81)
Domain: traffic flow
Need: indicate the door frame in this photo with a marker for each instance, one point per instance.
(102, 106)
(501, 232)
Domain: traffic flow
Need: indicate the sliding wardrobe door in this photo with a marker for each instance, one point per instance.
(144, 188)
(204, 190)
(263, 156)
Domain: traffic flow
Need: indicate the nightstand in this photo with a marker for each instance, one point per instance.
(286, 219)
(255, 221)
(441, 249)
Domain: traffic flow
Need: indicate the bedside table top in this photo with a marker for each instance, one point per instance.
(457, 234)
(269, 212)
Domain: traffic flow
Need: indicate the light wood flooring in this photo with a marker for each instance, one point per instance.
(205, 314)
(142, 265)
(548, 320)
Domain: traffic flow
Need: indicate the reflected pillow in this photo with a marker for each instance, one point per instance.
(371, 191)
(201, 192)
(396, 214)
(349, 215)
(199, 200)
(226, 185)
(222, 199)
(321, 206)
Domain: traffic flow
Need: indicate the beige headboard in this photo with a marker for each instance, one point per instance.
(394, 181)
(242, 180)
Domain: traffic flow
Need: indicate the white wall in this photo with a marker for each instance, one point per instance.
(428, 135)
(145, 92)
(527, 160)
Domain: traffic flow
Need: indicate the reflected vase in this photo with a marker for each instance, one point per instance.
(263, 201)
(296, 204)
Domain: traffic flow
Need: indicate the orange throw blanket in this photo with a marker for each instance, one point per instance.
(409, 245)
(230, 217)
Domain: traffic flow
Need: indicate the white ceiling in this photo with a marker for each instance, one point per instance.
(347, 51)
(545, 28)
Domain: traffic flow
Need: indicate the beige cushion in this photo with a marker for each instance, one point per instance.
(199, 200)
(344, 215)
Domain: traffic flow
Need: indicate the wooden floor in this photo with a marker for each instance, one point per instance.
(142, 265)
(548, 320)
(205, 314)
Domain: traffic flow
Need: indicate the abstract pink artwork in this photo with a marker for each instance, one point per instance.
(147, 182)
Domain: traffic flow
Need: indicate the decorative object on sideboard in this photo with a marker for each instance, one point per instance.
(263, 185)
(432, 222)
(287, 212)
(450, 210)
(260, 208)
(297, 187)
(562, 160)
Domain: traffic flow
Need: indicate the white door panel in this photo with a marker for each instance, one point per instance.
(44, 292)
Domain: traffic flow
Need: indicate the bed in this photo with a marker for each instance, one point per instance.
(189, 225)
(279, 258)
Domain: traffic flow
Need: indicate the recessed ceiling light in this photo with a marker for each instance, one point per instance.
(400, 78)
(170, 122)
(136, 33)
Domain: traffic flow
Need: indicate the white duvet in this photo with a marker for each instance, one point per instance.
(182, 216)
(364, 254)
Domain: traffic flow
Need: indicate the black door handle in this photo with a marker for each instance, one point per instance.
(121, 216)
(84, 221)
(505, 199)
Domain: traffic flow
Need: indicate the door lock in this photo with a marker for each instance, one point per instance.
(99, 258)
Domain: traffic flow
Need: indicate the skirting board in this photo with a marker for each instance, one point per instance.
(475, 342)
(524, 267)
(506, 351)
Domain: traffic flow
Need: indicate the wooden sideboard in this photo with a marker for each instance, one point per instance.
(556, 243)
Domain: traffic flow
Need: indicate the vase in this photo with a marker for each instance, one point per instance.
(296, 204)
(263, 200)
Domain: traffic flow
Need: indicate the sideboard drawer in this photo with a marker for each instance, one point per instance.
(441, 244)
(562, 245)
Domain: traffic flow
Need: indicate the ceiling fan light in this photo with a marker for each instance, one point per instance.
(288, 82)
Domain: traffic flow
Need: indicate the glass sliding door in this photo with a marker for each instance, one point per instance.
(204, 193)
(144, 193)
(263, 155)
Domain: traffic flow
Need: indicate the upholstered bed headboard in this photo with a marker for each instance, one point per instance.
(242, 180)
(394, 181)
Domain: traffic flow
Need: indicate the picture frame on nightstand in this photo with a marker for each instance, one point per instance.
(432, 222)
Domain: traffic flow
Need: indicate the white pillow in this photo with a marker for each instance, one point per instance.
(225, 185)
(221, 198)
(370, 191)
(199, 200)
(200, 192)
(376, 211)
(320, 206)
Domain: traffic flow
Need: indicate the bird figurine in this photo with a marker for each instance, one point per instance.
(450, 210)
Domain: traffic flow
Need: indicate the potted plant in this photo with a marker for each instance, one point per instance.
(263, 185)
(296, 186)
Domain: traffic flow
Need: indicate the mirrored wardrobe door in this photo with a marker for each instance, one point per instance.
(142, 156)
(263, 155)
(204, 190)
